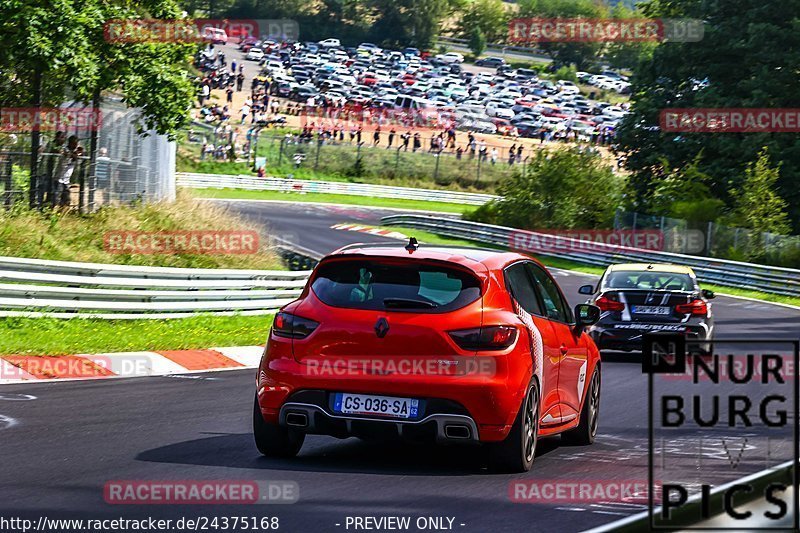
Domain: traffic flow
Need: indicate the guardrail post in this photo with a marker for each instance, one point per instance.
(478, 178)
(280, 151)
(708, 237)
(436, 169)
(8, 195)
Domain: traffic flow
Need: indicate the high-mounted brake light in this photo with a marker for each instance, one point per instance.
(696, 308)
(292, 326)
(487, 338)
(607, 304)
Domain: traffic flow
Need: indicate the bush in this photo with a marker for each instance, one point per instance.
(565, 189)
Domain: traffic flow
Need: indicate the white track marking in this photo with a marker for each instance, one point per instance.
(249, 356)
(7, 422)
(17, 397)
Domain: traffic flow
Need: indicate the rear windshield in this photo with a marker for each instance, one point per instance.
(650, 281)
(394, 286)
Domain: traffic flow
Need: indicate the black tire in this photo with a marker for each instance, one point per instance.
(273, 440)
(517, 452)
(586, 431)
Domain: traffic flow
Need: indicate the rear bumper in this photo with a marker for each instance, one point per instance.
(484, 404)
(629, 336)
(439, 427)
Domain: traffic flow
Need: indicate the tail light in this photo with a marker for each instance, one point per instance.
(695, 307)
(292, 326)
(486, 338)
(607, 304)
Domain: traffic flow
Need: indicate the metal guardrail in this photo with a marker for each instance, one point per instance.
(691, 513)
(520, 51)
(777, 280)
(35, 287)
(227, 181)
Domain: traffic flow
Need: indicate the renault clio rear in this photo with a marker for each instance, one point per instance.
(453, 345)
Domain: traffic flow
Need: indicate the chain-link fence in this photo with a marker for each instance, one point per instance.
(717, 240)
(128, 166)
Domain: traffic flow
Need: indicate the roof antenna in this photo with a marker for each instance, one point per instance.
(412, 245)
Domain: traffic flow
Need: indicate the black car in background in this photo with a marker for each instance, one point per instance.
(635, 299)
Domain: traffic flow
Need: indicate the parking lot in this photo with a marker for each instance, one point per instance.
(317, 87)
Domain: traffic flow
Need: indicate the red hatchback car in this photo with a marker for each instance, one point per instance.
(453, 345)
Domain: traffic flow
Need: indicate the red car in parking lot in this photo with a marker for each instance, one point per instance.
(453, 345)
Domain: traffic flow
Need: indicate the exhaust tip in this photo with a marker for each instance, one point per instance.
(457, 431)
(297, 420)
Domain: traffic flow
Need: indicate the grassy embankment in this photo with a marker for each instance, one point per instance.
(73, 237)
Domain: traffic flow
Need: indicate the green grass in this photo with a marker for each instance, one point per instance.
(565, 264)
(398, 203)
(338, 162)
(49, 336)
(69, 236)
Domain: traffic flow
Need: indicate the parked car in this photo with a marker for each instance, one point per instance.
(493, 62)
(255, 54)
(450, 57)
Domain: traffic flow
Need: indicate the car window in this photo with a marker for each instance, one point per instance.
(649, 280)
(554, 305)
(379, 285)
(522, 289)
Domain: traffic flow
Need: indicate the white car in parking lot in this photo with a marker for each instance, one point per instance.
(450, 58)
(255, 54)
(328, 43)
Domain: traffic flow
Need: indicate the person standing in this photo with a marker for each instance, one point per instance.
(233, 67)
(245, 111)
(391, 137)
(494, 155)
(69, 161)
(229, 94)
(240, 81)
(205, 92)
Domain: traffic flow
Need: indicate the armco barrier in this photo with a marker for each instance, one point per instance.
(251, 183)
(775, 280)
(692, 511)
(35, 287)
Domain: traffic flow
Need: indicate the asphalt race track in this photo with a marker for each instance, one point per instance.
(64, 441)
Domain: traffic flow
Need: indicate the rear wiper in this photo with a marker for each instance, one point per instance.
(407, 303)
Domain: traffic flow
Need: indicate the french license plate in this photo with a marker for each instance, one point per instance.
(651, 310)
(364, 404)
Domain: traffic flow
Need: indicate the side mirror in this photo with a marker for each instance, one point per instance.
(707, 294)
(586, 315)
(586, 289)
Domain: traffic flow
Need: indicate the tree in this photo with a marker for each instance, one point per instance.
(477, 42)
(565, 189)
(743, 61)
(684, 193)
(581, 54)
(490, 16)
(758, 204)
